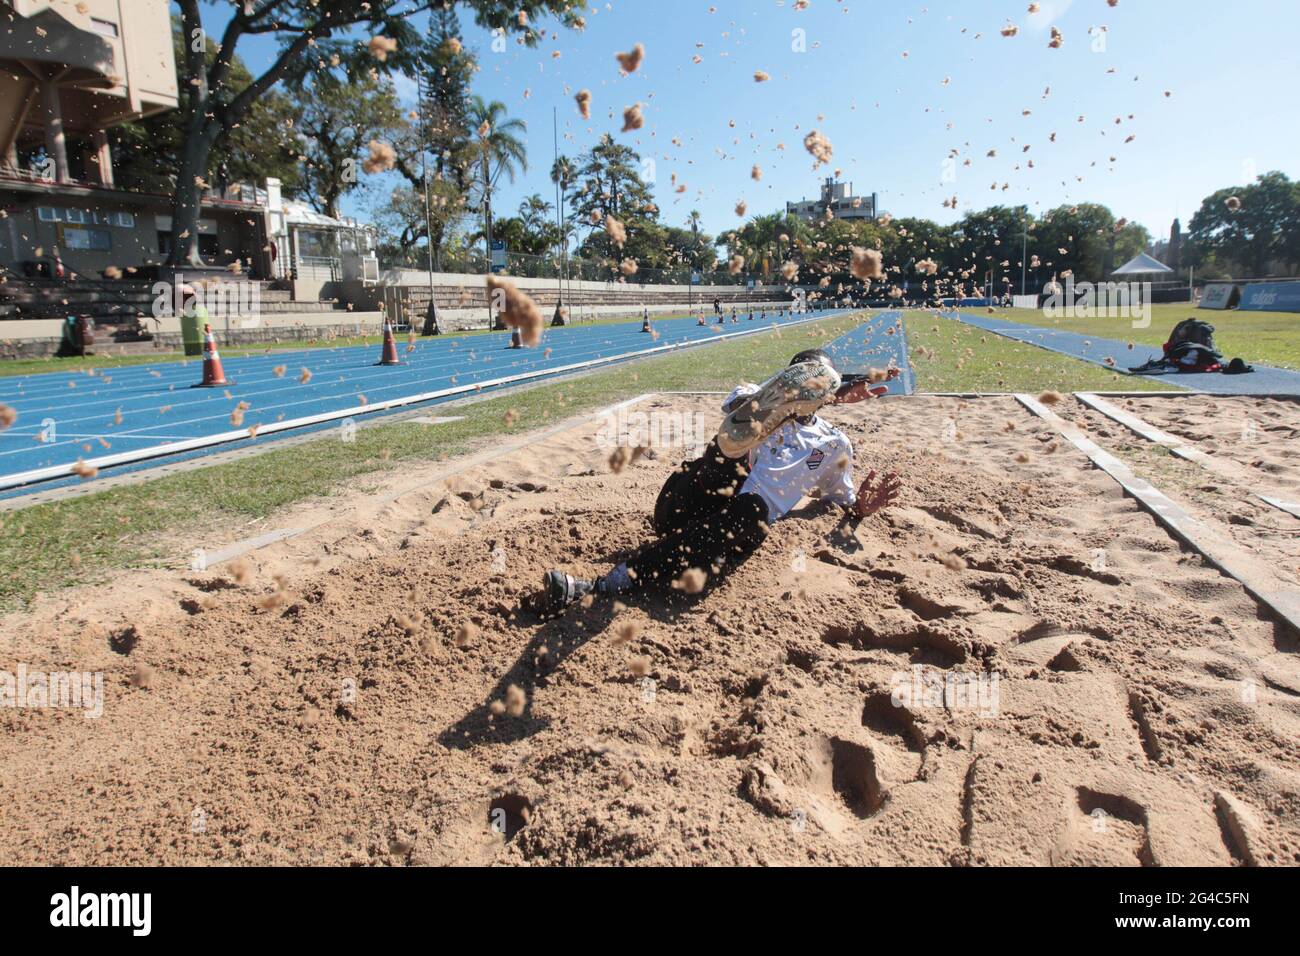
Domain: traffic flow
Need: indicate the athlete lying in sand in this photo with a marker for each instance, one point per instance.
(715, 511)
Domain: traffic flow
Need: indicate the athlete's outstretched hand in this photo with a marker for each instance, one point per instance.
(874, 495)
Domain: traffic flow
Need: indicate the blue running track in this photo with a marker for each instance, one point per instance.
(1263, 381)
(877, 343)
(77, 412)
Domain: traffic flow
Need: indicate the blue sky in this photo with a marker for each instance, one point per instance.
(870, 75)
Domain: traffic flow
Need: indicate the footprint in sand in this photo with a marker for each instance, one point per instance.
(1103, 829)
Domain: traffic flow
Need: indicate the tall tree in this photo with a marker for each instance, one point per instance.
(498, 150)
(565, 176)
(218, 103)
(612, 184)
(147, 153)
(1259, 229)
(447, 67)
(340, 116)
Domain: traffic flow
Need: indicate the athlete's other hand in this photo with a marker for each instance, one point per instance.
(874, 495)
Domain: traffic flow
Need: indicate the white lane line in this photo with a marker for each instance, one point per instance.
(1228, 470)
(1280, 596)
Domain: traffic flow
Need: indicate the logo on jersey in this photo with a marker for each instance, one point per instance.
(815, 459)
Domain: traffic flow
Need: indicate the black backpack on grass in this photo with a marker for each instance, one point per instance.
(1192, 338)
(1190, 349)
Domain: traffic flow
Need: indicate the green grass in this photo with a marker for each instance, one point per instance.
(1270, 338)
(950, 356)
(158, 522)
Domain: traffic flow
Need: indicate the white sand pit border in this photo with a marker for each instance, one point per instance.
(1224, 469)
(1222, 553)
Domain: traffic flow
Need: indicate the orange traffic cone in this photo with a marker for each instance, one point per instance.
(389, 355)
(214, 376)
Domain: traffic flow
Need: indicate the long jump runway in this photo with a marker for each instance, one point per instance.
(1265, 380)
(140, 416)
(879, 342)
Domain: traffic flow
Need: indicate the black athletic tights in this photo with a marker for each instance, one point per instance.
(702, 522)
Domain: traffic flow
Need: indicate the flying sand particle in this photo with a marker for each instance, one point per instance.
(629, 62)
(692, 581)
(516, 309)
(866, 263)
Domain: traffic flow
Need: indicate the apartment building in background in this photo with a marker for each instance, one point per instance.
(839, 199)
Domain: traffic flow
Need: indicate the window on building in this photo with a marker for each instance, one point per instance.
(320, 243)
(86, 217)
(92, 240)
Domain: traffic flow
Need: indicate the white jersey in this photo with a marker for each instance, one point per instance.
(798, 458)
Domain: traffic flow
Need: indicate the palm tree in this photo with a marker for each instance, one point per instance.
(565, 176)
(693, 221)
(499, 151)
(535, 214)
(767, 232)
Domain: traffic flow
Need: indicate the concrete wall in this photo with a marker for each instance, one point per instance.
(459, 320)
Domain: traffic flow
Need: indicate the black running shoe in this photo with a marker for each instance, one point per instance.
(560, 591)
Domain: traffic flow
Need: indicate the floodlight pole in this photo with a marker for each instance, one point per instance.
(1024, 249)
(428, 214)
(559, 212)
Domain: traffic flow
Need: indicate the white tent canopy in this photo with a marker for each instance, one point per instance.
(1142, 264)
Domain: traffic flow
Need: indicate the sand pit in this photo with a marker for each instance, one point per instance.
(1262, 434)
(1144, 711)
